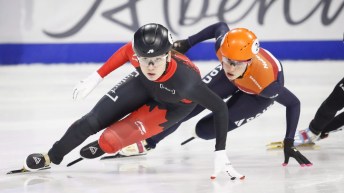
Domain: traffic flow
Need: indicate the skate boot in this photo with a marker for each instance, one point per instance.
(139, 148)
(91, 151)
(305, 137)
(136, 149)
(36, 161)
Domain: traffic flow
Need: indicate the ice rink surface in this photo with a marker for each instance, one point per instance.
(36, 109)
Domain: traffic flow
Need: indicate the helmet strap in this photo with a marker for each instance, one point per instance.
(168, 60)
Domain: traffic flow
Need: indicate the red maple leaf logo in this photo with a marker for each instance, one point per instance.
(151, 120)
(139, 125)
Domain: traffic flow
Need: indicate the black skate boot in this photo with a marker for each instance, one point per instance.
(91, 151)
(36, 161)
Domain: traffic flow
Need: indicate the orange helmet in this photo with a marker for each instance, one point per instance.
(239, 44)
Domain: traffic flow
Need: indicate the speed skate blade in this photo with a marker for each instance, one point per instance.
(279, 145)
(75, 161)
(274, 145)
(23, 170)
(117, 155)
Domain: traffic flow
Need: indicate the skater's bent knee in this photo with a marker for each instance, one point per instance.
(110, 142)
(205, 134)
(86, 126)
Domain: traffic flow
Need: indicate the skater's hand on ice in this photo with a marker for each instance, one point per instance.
(84, 87)
(222, 164)
(291, 151)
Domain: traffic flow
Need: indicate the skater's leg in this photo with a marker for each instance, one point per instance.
(147, 121)
(242, 108)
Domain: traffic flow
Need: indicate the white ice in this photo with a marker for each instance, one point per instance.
(36, 108)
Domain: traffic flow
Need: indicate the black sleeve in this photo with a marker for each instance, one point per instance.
(213, 31)
(202, 95)
(283, 96)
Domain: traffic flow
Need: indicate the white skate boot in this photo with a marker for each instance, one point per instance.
(136, 149)
(305, 136)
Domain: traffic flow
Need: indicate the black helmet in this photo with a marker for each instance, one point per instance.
(152, 40)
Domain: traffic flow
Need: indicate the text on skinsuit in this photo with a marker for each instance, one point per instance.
(141, 127)
(262, 61)
(213, 73)
(169, 90)
(246, 120)
(256, 82)
(113, 96)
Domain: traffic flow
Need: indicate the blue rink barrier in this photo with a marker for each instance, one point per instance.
(12, 54)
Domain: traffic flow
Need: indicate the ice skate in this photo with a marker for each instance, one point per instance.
(36, 161)
(136, 149)
(279, 145)
(91, 151)
(305, 138)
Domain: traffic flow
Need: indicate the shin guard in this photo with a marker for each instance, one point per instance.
(138, 126)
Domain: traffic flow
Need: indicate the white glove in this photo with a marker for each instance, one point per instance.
(84, 87)
(221, 163)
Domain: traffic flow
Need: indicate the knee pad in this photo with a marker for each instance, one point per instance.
(110, 141)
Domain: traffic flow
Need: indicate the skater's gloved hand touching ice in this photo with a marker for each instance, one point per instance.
(222, 164)
(291, 151)
(84, 87)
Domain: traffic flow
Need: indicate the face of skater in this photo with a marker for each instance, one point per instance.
(152, 44)
(234, 69)
(154, 67)
(238, 47)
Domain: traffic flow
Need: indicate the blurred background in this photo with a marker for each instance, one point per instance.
(83, 31)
